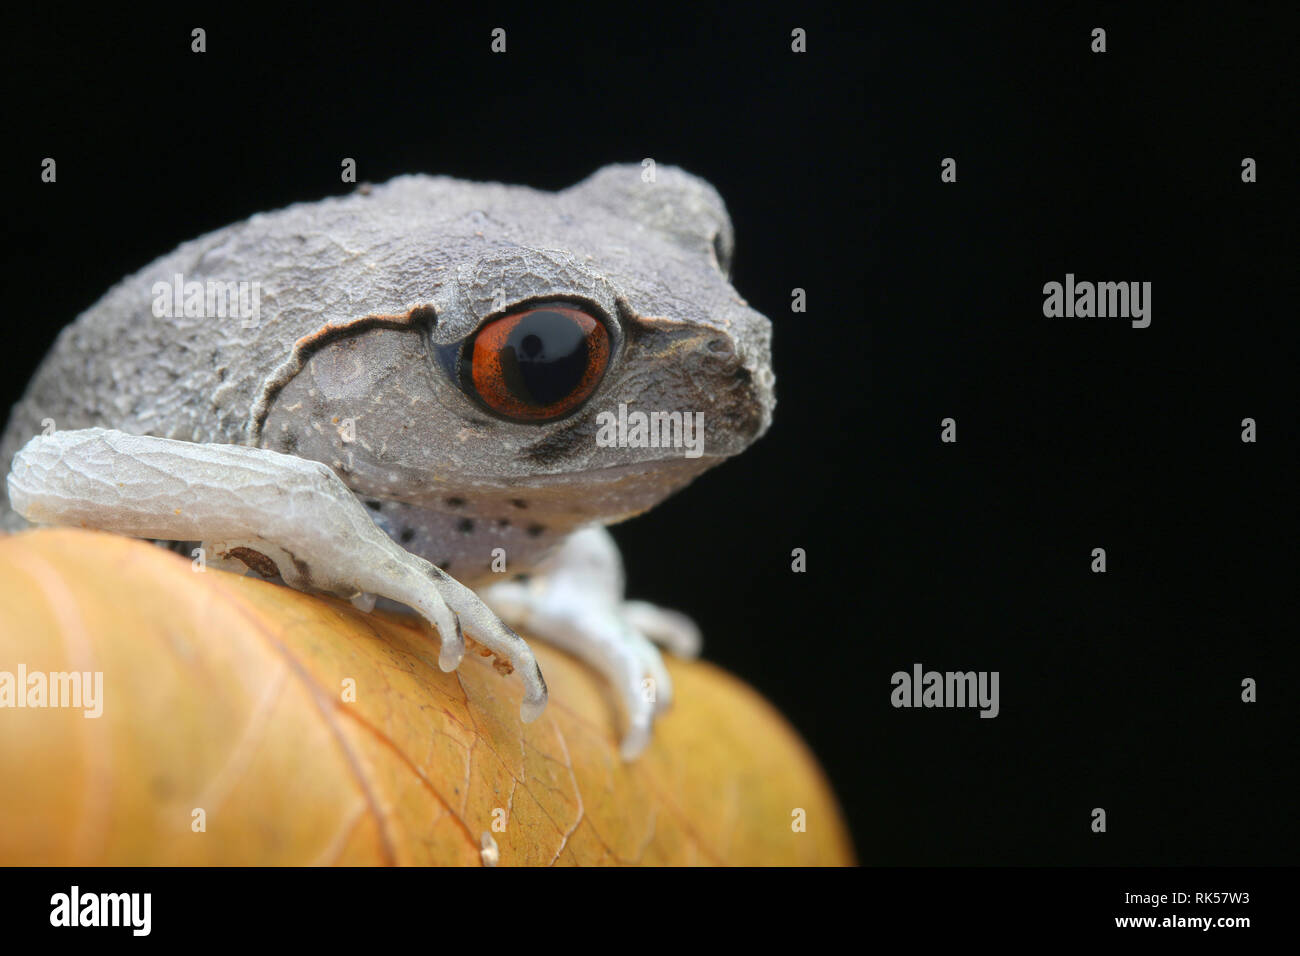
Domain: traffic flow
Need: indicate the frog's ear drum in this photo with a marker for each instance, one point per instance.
(537, 364)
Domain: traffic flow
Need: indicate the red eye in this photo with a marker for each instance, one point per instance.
(537, 364)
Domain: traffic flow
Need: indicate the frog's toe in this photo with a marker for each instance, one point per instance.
(669, 629)
(364, 601)
(584, 623)
(452, 650)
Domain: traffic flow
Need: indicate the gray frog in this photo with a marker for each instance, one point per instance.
(412, 391)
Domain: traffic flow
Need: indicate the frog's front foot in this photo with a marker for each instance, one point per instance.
(575, 601)
(278, 514)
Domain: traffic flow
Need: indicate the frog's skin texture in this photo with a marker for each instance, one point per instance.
(332, 444)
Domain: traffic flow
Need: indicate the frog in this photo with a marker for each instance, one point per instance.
(407, 395)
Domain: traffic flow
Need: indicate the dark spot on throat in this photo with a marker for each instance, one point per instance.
(465, 526)
(536, 530)
(519, 502)
(407, 535)
(455, 502)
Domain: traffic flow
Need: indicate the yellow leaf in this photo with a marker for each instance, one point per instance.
(228, 735)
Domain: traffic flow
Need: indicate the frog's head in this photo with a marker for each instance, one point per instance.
(581, 351)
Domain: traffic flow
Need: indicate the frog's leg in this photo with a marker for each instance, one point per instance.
(289, 512)
(574, 599)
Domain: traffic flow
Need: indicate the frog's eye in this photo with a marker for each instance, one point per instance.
(537, 364)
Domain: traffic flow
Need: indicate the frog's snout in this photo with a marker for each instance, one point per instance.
(720, 369)
(740, 381)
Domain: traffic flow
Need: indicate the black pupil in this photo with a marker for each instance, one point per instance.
(544, 358)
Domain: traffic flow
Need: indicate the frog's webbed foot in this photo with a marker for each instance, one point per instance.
(575, 601)
(277, 513)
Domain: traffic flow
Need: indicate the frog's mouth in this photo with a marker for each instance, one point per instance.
(656, 471)
(614, 493)
(569, 499)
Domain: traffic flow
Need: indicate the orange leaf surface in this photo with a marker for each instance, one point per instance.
(226, 695)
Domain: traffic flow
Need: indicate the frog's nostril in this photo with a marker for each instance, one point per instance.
(720, 346)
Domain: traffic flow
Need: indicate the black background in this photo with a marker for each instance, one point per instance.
(1119, 690)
